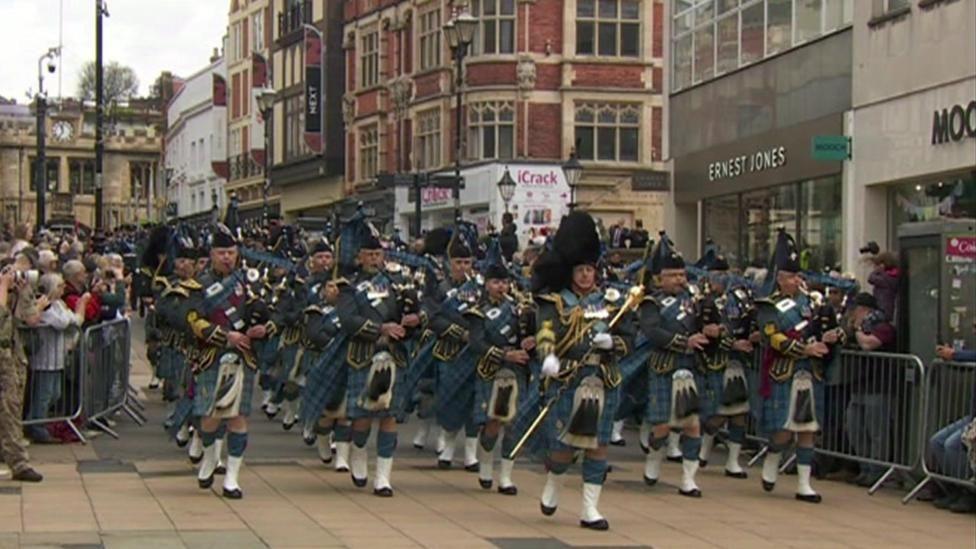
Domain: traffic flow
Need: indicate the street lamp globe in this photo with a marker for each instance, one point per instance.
(466, 24)
(573, 170)
(450, 31)
(506, 187)
(266, 99)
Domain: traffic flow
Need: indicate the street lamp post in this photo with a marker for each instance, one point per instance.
(266, 100)
(506, 188)
(459, 32)
(40, 179)
(573, 170)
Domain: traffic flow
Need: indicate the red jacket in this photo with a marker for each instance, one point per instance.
(92, 310)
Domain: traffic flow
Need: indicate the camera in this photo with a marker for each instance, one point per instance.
(51, 67)
(870, 248)
(31, 277)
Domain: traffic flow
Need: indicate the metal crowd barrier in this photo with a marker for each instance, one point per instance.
(55, 378)
(878, 398)
(106, 351)
(950, 389)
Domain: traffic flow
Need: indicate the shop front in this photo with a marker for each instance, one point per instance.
(746, 190)
(540, 200)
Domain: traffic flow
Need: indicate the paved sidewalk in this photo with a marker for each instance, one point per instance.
(140, 491)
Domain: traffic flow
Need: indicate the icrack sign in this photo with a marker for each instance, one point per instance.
(747, 163)
(954, 124)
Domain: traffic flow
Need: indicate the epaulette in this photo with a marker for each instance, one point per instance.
(474, 311)
(341, 281)
(191, 284)
(550, 297)
(161, 281)
(177, 289)
(313, 309)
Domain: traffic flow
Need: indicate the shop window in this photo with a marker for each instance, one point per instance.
(294, 136)
(495, 33)
(140, 177)
(779, 30)
(608, 132)
(81, 175)
(821, 224)
(491, 131)
(369, 59)
(369, 152)
(722, 223)
(428, 149)
(608, 28)
(430, 39)
(945, 197)
(52, 174)
(764, 212)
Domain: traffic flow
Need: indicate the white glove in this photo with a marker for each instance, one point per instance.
(550, 366)
(603, 341)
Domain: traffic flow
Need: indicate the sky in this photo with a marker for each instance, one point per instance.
(148, 35)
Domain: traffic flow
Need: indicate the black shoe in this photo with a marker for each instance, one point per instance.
(702, 463)
(342, 470)
(644, 448)
(620, 442)
(546, 510)
(674, 459)
(205, 483)
(271, 415)
(287, 426)
(418, 446)
(383, 492)
(650, 481)
(812, 498)
(326, 461)
(965, 504)
(182, 443)
(947, 501)
(740, 474)
(28, 475)
(601, 524)
(695, 493)
(508, 490)
(236, 493)
(768, 486)
(196, 459)
(153, 385)
(220, 470)
(473, 468)
(443, 464)
(309, 441)
(485, 484)
(359, 482)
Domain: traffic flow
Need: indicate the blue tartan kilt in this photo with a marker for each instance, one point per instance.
(421, 368)
(267, 355)
(166, 366)
(562, 410)
(455, 390)
(356, 385)
(658, 409)
(528, 409)
(775, 410)
(325, 381)
(205, 390)
(710, 387)
(483, 395)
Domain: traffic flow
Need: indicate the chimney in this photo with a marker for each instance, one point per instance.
(216, 55)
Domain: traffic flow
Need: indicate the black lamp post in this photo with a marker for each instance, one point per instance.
(573, 170)
(506, 188)
(266, 100)
(40, 179)
(459, 32)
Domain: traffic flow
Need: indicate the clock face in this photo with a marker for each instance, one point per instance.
(63, 131)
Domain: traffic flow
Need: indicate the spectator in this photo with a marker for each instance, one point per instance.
(946, 446)
(884, 279)
(618, 234)
(76, 286)
(47, 261)
(867, 416)
(54, 342)
(508, 238)
(639, 236)
(602, 229)
(17, 306)
(23, 233)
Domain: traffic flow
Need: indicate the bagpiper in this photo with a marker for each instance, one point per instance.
(668, 320)
(225, 320)
(454, 301)
(792, 372)
(501, 344)
(726, 313)
(581, 330)
(372, 318)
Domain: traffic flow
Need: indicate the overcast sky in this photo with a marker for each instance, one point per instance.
(148, 35)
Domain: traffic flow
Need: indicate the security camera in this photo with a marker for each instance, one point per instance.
(51, 67)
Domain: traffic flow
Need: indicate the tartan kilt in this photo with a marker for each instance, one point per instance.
(205, 390)
(455, 390)
(325, 378)
(483, 395)
(421, 368)
(356, 385)
(167, 366)
(775, 410)
(562, 410)
(710, 384)
(528, 410)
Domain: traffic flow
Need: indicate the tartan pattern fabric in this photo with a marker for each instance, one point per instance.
(421, 367)
(710, 385)
(325, 375)
(528, 408)
(455, 390)
(633, 385)
(775, 410)
(206, 390)
(562, 410)
(483, 396)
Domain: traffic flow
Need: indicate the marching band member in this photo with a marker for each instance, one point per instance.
(668, 320)
(580, 344)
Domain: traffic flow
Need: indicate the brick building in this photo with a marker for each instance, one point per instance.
(542, 76)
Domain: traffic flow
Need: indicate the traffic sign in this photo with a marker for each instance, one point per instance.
(831, 147)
